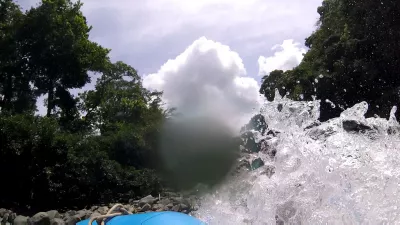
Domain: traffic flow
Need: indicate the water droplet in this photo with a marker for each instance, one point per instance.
(321, 76)
(332, 104)
(329, 169)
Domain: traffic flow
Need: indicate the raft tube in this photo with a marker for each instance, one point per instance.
(150, 218)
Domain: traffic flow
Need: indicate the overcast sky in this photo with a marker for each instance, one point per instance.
(203, 53)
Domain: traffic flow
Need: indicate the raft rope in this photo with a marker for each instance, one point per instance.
(102, 218)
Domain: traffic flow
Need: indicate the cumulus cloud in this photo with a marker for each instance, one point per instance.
(145, 34)
(153, 31)
(208, 78)
(287, 55)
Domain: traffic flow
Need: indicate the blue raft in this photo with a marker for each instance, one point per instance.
(151, 218)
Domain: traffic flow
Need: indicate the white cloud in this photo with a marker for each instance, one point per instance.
(155, 19)
(208, 78)
(145, 34)
(287, 55)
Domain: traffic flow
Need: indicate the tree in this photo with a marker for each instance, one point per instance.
(123, 110)
(58, 50)
(16, 94)
(63, 159)
(351, 58)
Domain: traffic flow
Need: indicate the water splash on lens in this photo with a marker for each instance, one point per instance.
(343, 171)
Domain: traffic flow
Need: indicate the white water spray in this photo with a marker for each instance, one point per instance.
(343, 171)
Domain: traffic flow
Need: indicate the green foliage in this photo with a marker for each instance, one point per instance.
(98, 147)
(16, 95)
(58, 49)
(122, 110)
(51, 168)
(354, 51)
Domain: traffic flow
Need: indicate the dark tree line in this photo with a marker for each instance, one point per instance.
(353, 56)
(96, 147)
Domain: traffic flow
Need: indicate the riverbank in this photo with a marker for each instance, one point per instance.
(169, 202)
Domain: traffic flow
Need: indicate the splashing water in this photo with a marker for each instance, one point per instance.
(323, 173)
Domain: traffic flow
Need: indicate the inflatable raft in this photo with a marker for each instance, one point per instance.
(150, 218)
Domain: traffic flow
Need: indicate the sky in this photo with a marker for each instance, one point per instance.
(206, 55)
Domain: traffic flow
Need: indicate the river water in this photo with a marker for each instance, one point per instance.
(323, 174)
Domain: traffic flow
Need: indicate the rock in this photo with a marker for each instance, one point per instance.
(5, 217)
(157, 207)
(184, 207)
(195, 207)
(356, 126)
(40, 218)
(170, 205)
(2, 212)
(176, 208)
(21, 220)
(249, 143)
(12, 217)
(147, 200)
(103, 210)
(185, 211)
(164, 201)
(257, 123)
(57, 221)
(94, 208)
(145, 207)
(257, 163)
(70, 213)
(53, 214)
(82, 214)
(134, 202)
(71, 220)
(177, 200)
(180, 200)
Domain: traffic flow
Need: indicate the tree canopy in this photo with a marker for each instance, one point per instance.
(92, 148)
(352, 57)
